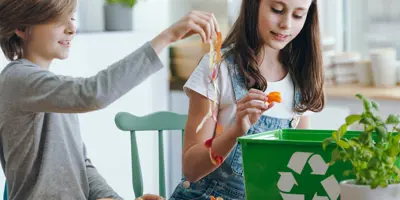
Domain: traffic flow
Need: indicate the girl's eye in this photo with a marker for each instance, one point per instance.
(297, 16)
(73, 19)
(276, 10)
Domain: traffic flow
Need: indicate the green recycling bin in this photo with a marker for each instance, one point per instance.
(290, 164)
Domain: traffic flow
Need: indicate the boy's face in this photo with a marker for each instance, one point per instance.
(51, 40)
(280, 21)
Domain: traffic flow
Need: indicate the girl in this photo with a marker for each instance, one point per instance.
(43, 155)
(273, 46)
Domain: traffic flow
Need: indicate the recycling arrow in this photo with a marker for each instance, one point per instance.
(286, 182)
(331, 187)
(316, 197)
(297, 162)
(318, 165)
(292, 196)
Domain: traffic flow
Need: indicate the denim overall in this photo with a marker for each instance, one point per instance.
(227, 181)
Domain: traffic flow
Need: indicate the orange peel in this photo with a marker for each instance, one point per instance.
(274, 97)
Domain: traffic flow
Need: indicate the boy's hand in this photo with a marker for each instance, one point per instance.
(196, 22)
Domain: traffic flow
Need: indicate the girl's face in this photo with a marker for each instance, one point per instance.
(280, 21)
(49, 41)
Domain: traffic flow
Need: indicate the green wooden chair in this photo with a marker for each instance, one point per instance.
(5, 195)
(158, 121)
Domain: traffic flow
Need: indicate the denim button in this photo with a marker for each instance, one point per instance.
(186, 184)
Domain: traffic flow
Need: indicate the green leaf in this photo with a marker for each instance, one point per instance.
(366, 153)
(393, 151)
(342, 130)
(396, 139)
(378, 120)
(388, 160)
(368, 121)
(372, 174)
(393, 119)
(326, 142)
(351, 119)
(394, 148)
(335, 156)
(335, 136)
(367, 104)
(375, 105)
(128, 3)
(347, 172)
(374, 184)
(343, 144)
(383, 183)
(382, 133)
(364, 137)
(353, 142)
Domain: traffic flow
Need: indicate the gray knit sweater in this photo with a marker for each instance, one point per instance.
(42, 152)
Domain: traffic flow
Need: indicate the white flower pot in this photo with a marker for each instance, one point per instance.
(350, 191)
(118, 17)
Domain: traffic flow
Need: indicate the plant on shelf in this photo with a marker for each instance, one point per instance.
(118, 14)
(373, 153)
(129, 3)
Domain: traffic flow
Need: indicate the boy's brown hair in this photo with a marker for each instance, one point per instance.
(23, 14)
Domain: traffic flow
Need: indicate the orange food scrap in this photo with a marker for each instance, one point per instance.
(218, 46)
(218, 130)
(274, 97)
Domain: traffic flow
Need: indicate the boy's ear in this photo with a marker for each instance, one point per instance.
(20, 33)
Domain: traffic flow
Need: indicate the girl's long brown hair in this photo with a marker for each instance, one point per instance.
(302, 56)
(22, 14)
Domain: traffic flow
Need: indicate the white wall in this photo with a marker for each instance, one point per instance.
(149, 15)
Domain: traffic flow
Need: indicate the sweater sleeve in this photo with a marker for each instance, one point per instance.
(98, 187)
(40, 90)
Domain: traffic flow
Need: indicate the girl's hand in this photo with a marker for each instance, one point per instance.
(196, 22)
(249, 109)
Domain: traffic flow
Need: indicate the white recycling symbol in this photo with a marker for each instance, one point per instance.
(318, 166)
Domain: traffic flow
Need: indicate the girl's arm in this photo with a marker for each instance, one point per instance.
(196, 158)
(304, 122)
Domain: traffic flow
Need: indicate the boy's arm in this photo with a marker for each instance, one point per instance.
(38, 90)
(98, 187)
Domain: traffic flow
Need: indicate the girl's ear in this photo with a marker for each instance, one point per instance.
(20, 33)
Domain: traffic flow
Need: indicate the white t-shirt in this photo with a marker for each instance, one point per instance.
(199, 81)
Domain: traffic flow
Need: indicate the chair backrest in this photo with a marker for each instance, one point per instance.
(5, 195)
(158, 121)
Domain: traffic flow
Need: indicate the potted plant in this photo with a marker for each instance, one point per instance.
(372, 152)
(118, 15)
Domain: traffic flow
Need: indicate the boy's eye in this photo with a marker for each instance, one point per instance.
(73, 19)
(276, 10)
